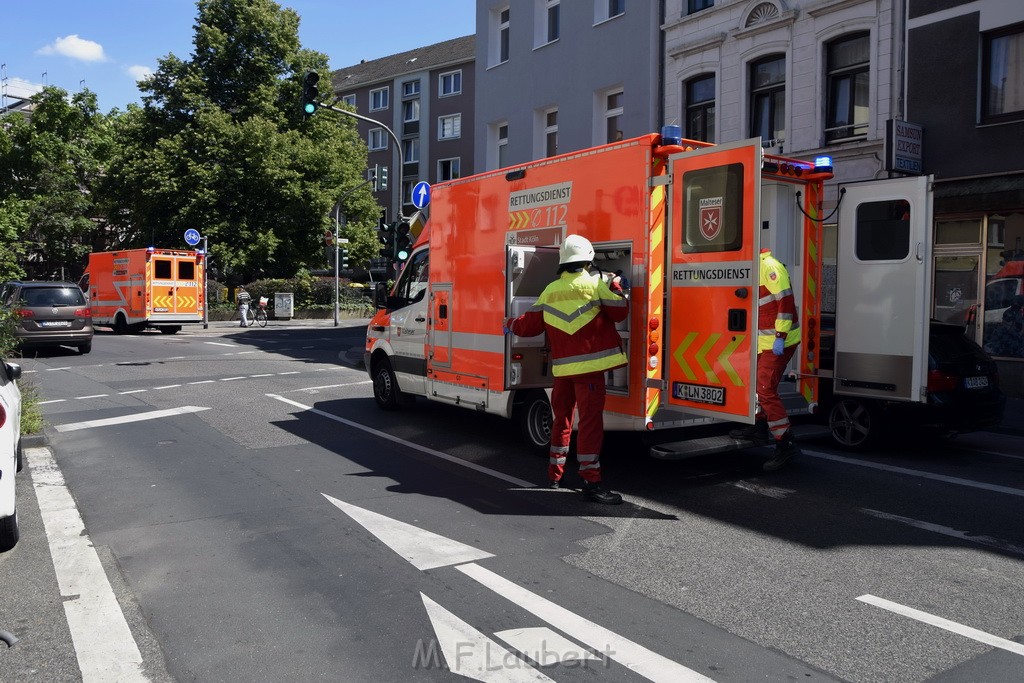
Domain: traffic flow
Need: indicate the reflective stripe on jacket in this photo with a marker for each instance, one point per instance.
(578, 311)
(776, 311)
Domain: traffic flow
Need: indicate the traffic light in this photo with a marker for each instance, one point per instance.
(310, 93)
(374, 174)
(403, 240)
(382, 178)
(344, 259)
(386, 235)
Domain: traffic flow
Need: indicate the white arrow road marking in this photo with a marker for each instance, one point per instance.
(427, 550)
(424, 549)
(136, 417)
(104, 645)
(471, 654)
(423, 449)
(545, 647)
(631, 655)
(946, 624)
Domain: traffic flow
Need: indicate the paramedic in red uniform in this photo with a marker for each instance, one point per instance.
(778, 335)
(578, 311)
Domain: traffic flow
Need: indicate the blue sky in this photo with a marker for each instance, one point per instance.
(105, 45)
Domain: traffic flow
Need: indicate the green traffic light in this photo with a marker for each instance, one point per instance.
(310, 108)
(402, 255)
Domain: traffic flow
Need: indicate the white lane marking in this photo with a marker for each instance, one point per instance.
(242, 353)
(133, 391)
(104, 645)
(230, 346)
(423, 549)
(136, 417)
(175, 358)
(945, 624)
(265, 374)
(423, 449)
(231, 379)
(471, 654)
(631, 655)
(80, 398)
(167, 386)
(917, 473)
(56, 369)
(762, 490)
(56, 400)
(204, 381)
(330, 386)
(290, 372)
(989, 541)
(545, 647)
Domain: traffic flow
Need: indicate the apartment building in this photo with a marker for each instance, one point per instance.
(426, 98)
(554, 76)
(965, 87)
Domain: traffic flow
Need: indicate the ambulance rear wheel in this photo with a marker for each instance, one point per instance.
(120, 324)
(170, 329)
(533, 416)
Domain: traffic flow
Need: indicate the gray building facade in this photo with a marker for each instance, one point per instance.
(555, 76)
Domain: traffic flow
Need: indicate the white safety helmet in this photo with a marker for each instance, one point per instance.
(575, 249)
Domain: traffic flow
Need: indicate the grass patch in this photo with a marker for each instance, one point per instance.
(31, 415)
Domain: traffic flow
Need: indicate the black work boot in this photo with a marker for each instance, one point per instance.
(600, 494)
(554, 484)
(785, 450)
(757, 433)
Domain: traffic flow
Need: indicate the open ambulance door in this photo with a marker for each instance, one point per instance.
(883, 285)
(528, 270)
(713, 247)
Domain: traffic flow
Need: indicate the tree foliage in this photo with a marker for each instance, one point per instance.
(221, 146)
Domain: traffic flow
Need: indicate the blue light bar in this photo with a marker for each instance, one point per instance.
(822, 162)
(671, 135)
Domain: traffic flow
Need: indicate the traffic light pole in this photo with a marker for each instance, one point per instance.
(394, 138)
(337, 248)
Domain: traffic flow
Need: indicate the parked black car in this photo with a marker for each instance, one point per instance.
(963, 395)
(49, 314)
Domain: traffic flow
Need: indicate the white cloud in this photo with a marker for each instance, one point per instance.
(138, 72)
(76, 48)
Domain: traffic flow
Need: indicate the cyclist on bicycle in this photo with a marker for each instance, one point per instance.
(243, 299)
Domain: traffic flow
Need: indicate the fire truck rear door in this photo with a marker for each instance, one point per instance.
(883, 285)
(713, 256)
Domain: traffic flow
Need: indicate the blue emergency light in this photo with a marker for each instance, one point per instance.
(823, 163)
(671, 135)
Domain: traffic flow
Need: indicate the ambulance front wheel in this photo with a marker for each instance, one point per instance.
(533, 416)
(385, 387)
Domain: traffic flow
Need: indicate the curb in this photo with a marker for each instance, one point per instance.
(35, 441)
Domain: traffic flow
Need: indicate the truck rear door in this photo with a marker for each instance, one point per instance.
(713, 258)
(174, 287)
(883, 285)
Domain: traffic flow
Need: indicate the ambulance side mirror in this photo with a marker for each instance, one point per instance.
(380, 295)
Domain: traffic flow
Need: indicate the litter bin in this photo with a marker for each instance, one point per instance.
(284, 305)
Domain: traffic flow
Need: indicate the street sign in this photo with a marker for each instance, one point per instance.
(192, 237)
(328, 237)
(421, 194)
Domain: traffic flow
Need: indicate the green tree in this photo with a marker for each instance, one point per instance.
(220, 145)
(50, 167)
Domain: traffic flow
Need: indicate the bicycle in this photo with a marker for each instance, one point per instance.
(258, 312)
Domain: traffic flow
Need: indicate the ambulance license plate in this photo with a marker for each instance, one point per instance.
(699, 393)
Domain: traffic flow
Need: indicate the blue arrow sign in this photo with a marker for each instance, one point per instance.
(421, 194)
(192, 236)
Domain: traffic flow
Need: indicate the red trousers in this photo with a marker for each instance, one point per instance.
(584, 393)
(769, 373)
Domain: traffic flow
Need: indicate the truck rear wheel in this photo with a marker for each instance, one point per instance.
(170, 329)
(120, 324)
(533, 417)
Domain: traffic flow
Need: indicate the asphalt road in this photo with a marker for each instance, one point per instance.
(273, 523)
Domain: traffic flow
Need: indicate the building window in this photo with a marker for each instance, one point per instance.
(410, 110)
(350, 100)
(697, 5)
(449, 83)
(616, 7)
(613, 116)
(449, 127)
(1003, 75)
(700, 108)
(379, 99)
(377, 140)
(502, 145)
(410, 150)
(410, 88)
(608, 9)
(848, 60)
(499, 36)
(448, 169)
(768, 98)
(549, 28)
(551, 132)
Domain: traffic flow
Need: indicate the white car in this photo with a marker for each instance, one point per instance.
(10, 452)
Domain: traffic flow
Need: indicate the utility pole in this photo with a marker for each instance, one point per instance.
(337, 240)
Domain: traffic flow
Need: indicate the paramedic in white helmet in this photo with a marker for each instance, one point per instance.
(578, 311)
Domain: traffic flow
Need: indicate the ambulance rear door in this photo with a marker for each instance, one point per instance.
(712, 281)
(174, 284)
(883, 285)
(528, 270)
